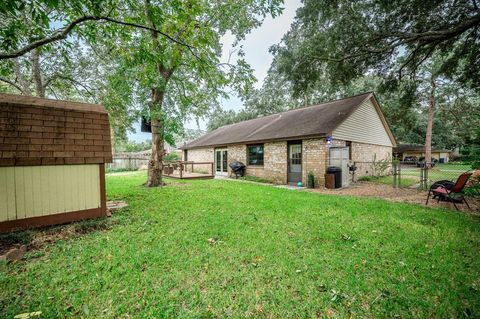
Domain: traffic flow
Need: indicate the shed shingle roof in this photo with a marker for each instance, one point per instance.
(36, 131)
(316, 120)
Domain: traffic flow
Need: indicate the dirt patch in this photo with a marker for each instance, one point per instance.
(34, 239)
(404, 195)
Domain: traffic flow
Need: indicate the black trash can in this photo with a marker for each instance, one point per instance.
(337, 171)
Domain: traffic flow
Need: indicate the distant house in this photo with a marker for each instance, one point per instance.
(285, 147)
(52, 161)
(408, 150)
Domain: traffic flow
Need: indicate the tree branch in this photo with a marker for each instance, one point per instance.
(404, 38)
(63, 33)
(440, 35)
(74, 82)
(14, 85)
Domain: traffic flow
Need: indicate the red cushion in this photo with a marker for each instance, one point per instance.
(440, 190)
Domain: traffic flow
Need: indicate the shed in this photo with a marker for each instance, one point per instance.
(52, 161)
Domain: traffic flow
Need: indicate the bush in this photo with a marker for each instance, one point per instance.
(380, 167)
(476, 158)
(311, 180)
(118, 170)
(172, 157)
(473, 187)
(133, 146)
(365, 178)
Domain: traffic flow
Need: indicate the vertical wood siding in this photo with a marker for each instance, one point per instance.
(363, 125)
(7, 193)
(31, 191)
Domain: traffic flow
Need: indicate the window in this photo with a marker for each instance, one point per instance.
(255, 155)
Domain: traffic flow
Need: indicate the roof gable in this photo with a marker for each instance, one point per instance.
(366, 124)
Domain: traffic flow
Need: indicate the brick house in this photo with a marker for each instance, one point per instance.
(52, 161)
(285, 147)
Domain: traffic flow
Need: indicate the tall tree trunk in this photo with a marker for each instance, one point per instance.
(37, 74)
(155, 165)
(428, 137)
(23, 83)
(112, 138)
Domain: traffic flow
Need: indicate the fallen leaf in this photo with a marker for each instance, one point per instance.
(28, 315)
(330, 313)
(86, 311)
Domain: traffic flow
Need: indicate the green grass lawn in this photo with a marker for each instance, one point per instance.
(212, 249)
(410, 174)
(436, 173)
(405, 181)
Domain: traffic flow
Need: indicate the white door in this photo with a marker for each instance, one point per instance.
(294, 174)
(221, 161)
(340, 156)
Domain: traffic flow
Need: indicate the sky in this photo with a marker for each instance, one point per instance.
(255, 45)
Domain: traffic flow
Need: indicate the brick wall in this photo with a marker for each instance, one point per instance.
(362, 152)
(316, 157)
(368, 152)
(51, 135)
(314, 160)
(200, 155)
(274, 162)
(236, 153)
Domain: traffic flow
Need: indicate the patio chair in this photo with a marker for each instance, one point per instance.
(449, 191)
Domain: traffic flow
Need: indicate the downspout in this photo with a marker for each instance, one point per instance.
(306, 170)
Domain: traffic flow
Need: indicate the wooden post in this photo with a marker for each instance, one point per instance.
(181, 170)
(395, 176)
(399, 177)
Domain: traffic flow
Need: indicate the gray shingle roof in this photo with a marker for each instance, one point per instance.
(316, 120)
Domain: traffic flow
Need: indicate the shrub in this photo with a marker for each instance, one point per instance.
(118, 170)
(365, 178)
(380, 167)
(476, 158)
(171, 157)
(473, 187)
(311, 180)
